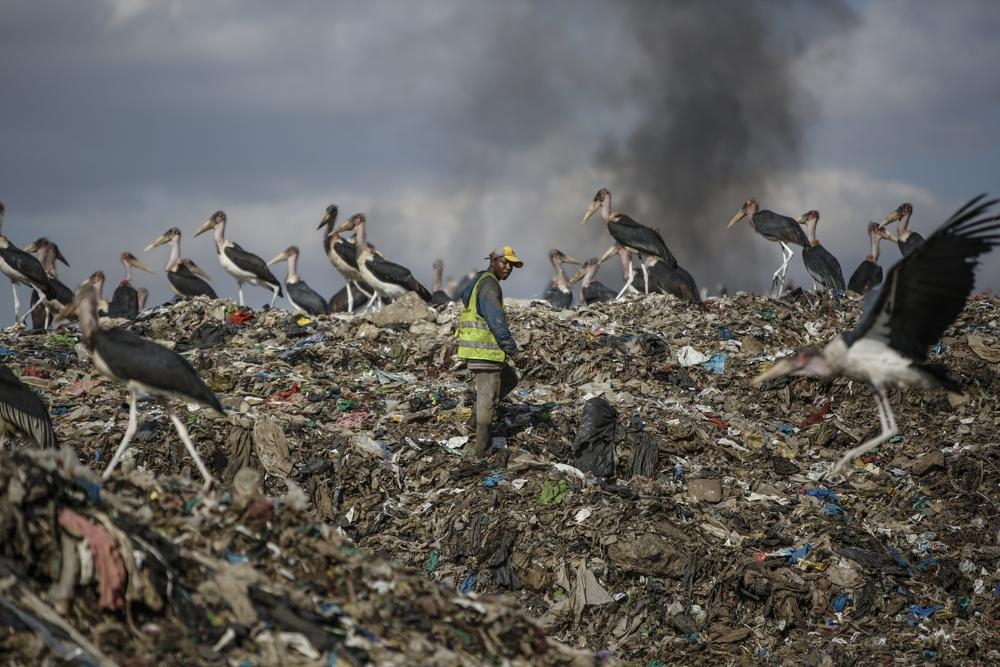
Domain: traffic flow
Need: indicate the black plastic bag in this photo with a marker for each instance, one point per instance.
(594, 447)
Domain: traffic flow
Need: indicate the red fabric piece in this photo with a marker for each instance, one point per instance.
(240, 316)
(718, 422)
(817, 416)
(111, 574)
(288, 393)
(32, 372)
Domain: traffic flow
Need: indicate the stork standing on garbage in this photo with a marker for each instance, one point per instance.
(923, 294)
(144, 367)
(485, 341)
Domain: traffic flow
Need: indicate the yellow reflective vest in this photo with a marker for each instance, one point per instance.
(475, 340)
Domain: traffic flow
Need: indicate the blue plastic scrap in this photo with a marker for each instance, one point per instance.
(840, 602)
(787, 429)
(925, 612)
(717, 364)
(833, 509)
(6, 351)
(799, 554)
(822, 494)
(469, 584)
(725, 333)
(492, 481)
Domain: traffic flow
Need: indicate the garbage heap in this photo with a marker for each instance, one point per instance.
(643, 505)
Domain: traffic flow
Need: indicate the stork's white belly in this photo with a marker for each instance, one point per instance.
(235, 271)
(878, 363)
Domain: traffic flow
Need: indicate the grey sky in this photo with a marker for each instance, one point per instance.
(460, 125)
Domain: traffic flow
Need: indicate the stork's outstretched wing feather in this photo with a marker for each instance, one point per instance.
(925, 291)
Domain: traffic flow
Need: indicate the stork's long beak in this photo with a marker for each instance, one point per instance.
(60, 258)
(608, 254)
(158, 242)
(209, 224)
(566, 259)
(590, 211)
(345, 227)
(324, 221)
(780, 368)
(138, 264)
(801, 219)
(892, 217)
(886, 234)
(280, 257)
(68, 311)
(736, 218)
(30, 248)
(578, 276)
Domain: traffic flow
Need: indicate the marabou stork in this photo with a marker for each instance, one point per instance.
(144, 367)
(820, 263)
(22, 413)
(591, 289)
(244, 266)
(302, 297)
(23, 268)
(186, 278)
(343, 254)
(438, 296)
(142, 295)
(869, 272)
(676, 281)
(48, 253)
(922, 295)
(558, 293)
(906, 240)
(774, 227)
(125, 299)
(629, 236)
(389, 280)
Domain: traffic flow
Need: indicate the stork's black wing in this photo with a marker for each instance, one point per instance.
(124, 302)
(347, 251)
(21, 408)
(779, 228)
(131, 357)
(28, 266)
(397, 274)
(640, 238)
(925, 291)
(188, 284)
(306, 298)
(252, 263)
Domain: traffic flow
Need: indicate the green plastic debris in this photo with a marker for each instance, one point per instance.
(58, 340)
(554, 491)
(432, 562)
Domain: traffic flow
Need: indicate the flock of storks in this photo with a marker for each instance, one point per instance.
(921, 296)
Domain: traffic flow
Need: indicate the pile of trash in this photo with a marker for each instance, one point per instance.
(643, 503)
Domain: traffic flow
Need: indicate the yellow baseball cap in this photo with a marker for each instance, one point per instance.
(507, 253)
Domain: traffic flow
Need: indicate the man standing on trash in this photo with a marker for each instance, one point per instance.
(485, 342)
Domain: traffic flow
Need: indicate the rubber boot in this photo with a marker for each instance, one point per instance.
(487, 386)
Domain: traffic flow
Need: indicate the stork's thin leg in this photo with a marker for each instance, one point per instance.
(628, 281)
(183, 432)
(888, 423)
(274, 295)
(41, 300)
(241, 293)
(17, 304)
(350, 298)
(133, 426)
(645, 277)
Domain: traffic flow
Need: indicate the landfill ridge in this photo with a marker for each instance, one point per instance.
(643, 505)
